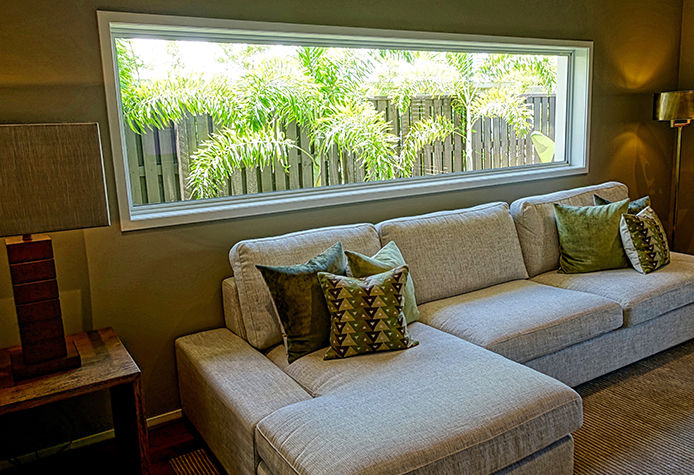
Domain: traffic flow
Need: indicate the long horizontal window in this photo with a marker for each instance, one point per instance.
(213, 119)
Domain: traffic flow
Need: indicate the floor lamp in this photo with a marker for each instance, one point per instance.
(52, 180)
(677, 107)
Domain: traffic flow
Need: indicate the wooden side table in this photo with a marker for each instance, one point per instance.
(106, 364)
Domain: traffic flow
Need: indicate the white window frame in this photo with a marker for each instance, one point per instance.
(572, 147)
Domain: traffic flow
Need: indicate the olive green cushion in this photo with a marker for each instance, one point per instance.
(387, 258)
(589, 237)
(301, 308)
(366, 314)
(635, 206)
(645, 240)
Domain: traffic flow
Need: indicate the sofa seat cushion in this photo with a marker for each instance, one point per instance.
(401, 412)
(642, 297)
(523, 320)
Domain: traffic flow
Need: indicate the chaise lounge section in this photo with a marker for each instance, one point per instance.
(501, 336)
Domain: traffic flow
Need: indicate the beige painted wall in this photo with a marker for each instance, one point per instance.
(153, 286)
(685, 224)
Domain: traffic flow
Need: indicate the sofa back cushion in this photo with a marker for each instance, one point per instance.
(537, 227)
(258, 313)
(453, 252)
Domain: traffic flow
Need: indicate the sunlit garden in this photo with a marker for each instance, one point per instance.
(206, 120)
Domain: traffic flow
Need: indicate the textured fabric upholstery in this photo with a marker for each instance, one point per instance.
(613, 350)
(452, 252)
(226, 388)
(403, 411)
(232, 307)
(557, 459)
(537, 228)
(641, 296)
(522, 320)
(257, 309)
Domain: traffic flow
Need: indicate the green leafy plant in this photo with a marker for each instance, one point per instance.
(230, 150)
(325, 91)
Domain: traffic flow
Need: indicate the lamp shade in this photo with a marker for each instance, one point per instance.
(52, 178)
(674, 105)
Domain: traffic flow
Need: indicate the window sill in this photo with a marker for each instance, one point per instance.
(187, 212)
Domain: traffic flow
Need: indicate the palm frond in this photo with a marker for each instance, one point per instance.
(358, 128)
(230, 150)
(423, 132)
(502, 103)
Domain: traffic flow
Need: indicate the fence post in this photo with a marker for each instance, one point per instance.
(133, 152)
(183, 131)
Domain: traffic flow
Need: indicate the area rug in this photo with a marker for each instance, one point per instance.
(640, 419)
(197, 462)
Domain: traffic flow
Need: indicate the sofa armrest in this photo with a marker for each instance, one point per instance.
(226, 388)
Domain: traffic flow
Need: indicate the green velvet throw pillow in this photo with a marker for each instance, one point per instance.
(387, 258)
(645, 241)
(635, 206)
(303, 313)
(366, 314)
(589, 237)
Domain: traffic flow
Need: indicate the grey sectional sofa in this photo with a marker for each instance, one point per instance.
(502, 337)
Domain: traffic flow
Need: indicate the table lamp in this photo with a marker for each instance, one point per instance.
(677, 107)
(52, 179)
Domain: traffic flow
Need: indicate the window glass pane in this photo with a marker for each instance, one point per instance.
(206, 119)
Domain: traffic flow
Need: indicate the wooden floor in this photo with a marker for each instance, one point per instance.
(166, 442)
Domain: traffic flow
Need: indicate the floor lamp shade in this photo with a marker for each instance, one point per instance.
(674, 105)
(52, 178)
(677, 107)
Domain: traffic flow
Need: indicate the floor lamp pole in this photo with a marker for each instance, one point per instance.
(676, 182)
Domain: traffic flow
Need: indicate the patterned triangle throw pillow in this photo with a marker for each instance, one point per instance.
(366, 313)
(645, 241)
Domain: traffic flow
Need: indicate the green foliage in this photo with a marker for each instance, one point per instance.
(401, 79)
(502, 103)
(338, 73)
(522, 71)
(422, 133)
(358, 128)
(276, 92)
(325, 91)
(230, 150)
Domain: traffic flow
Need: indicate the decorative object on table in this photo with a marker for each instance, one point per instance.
(52, 180)
(366, 314)
(645, 240)
(387, 258)
(635, 206)
(589, 238)
(301, 308)
(677, 107)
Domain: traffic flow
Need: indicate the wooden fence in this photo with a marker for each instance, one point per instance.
(158, 160)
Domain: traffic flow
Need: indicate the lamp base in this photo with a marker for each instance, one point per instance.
(43, 347)
(22, 370)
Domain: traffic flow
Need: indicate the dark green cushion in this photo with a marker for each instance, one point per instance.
(366, 314)
(635, 207)
(301, 307)
(387, 258)
(589, 237)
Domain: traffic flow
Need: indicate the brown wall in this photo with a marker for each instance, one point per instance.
(153, 286)
(685, 224)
